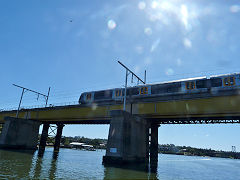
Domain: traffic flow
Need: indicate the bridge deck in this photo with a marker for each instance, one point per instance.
(208, 109)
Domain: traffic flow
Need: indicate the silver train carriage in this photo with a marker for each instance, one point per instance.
(183, 86)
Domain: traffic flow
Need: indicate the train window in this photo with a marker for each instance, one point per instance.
(232, 80)
(166, 88)
(173, 88)
(132, 91)
(226, 82)
(157, 89)
(102, 94)
(216, 82)
(143, 90)
(88, 96)
(229, 81)
(118, 93)
(190, 85)
(201, 83)
(99, 95)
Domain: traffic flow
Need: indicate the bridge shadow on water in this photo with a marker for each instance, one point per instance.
(127, 171)
(39, 167)
(131, 171)
(26, 164)
(15, 164)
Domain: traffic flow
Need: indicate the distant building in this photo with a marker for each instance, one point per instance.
(78, 145)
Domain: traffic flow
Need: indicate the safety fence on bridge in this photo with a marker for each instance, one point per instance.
(41, 106)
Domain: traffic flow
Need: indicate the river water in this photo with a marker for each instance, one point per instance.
(78, 164)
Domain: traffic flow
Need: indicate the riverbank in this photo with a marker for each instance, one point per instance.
(191, 151)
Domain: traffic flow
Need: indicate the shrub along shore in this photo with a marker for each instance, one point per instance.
(191, 151)
(162, 148)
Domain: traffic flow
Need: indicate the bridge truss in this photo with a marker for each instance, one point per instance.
(198, 121)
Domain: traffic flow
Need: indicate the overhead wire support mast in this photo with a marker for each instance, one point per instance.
(128, 71)
(38, 93)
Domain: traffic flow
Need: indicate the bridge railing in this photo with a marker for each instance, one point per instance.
(41, 106)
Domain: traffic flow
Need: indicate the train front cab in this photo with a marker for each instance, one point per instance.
(86, 98)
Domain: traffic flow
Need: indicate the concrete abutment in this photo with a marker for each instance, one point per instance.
(21, 134)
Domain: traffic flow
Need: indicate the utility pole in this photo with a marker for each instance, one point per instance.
(128, 71)
(25, 90)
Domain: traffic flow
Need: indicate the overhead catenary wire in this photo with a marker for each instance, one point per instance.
(128, 71)
(25, 90)
(58, 93)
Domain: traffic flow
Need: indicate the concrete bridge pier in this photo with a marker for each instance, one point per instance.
(127, 139)
(43, 139)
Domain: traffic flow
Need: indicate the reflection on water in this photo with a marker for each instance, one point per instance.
(25, 165)
(127, 172)
(77, 164)
(51, 165)
(52, 172)
(131, 171)
(36, 169)
(15, 164)
(39, 169)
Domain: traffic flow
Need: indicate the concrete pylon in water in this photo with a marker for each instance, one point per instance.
(127, 139)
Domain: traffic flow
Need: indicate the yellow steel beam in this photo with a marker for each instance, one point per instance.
(207, 107)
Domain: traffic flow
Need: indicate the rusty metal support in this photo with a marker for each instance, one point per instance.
(58, 137)
(154, 147)
(43, 139)
(147, 142)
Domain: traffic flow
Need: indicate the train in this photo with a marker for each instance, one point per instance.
(210, 85)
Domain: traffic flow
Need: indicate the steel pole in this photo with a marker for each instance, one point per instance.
(125, 94)
(20, 103)
(145, 76)
(47, 96)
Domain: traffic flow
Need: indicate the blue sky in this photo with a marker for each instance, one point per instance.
(73, 46)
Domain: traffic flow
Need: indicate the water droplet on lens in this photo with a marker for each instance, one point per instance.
(179, 62)
(148, 31)
(169, 71)
(235, 8)
(141, 5)
(154, 4)
(187, 43)
(111, 24)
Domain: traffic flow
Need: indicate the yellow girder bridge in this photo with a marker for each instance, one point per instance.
(220, 107)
